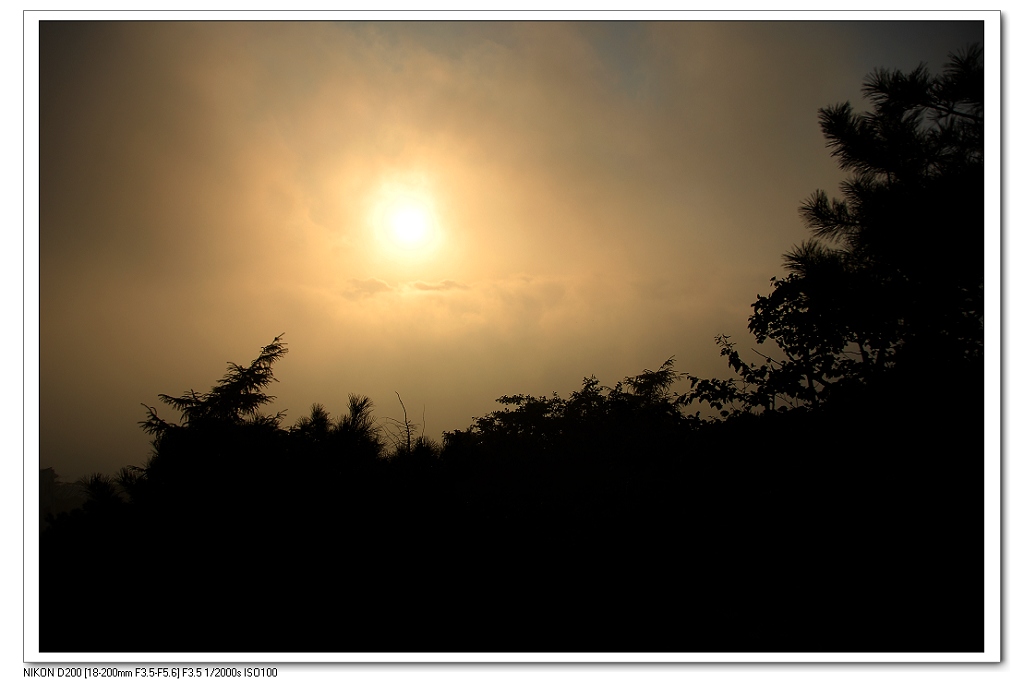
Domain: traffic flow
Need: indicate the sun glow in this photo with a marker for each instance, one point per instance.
(410, 226)
(406, 223)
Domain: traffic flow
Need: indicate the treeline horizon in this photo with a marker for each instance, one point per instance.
(828, 496)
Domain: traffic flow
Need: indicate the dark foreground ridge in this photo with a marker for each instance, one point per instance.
(843, 529)
(832, 503)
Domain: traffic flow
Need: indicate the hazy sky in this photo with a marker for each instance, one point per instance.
(452, 211)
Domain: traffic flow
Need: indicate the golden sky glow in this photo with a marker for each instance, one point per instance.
(453, 211)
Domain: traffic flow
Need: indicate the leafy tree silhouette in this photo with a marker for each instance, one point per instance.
(557, 423)
(546, 462)
(892, 276)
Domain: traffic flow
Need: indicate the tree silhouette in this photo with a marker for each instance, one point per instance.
(892, 276)
(236, 398)
(316, 427)
(350, 441)
(221, 433)
(594, 422)
(909, 226)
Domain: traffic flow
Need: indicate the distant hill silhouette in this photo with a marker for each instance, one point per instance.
(56, 497)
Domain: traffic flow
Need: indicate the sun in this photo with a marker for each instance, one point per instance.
(410, 225)
(406, 223)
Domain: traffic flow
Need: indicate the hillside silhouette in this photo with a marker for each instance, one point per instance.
(819, 499)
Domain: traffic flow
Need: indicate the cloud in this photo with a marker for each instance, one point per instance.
(440, 286)
(368, 287)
